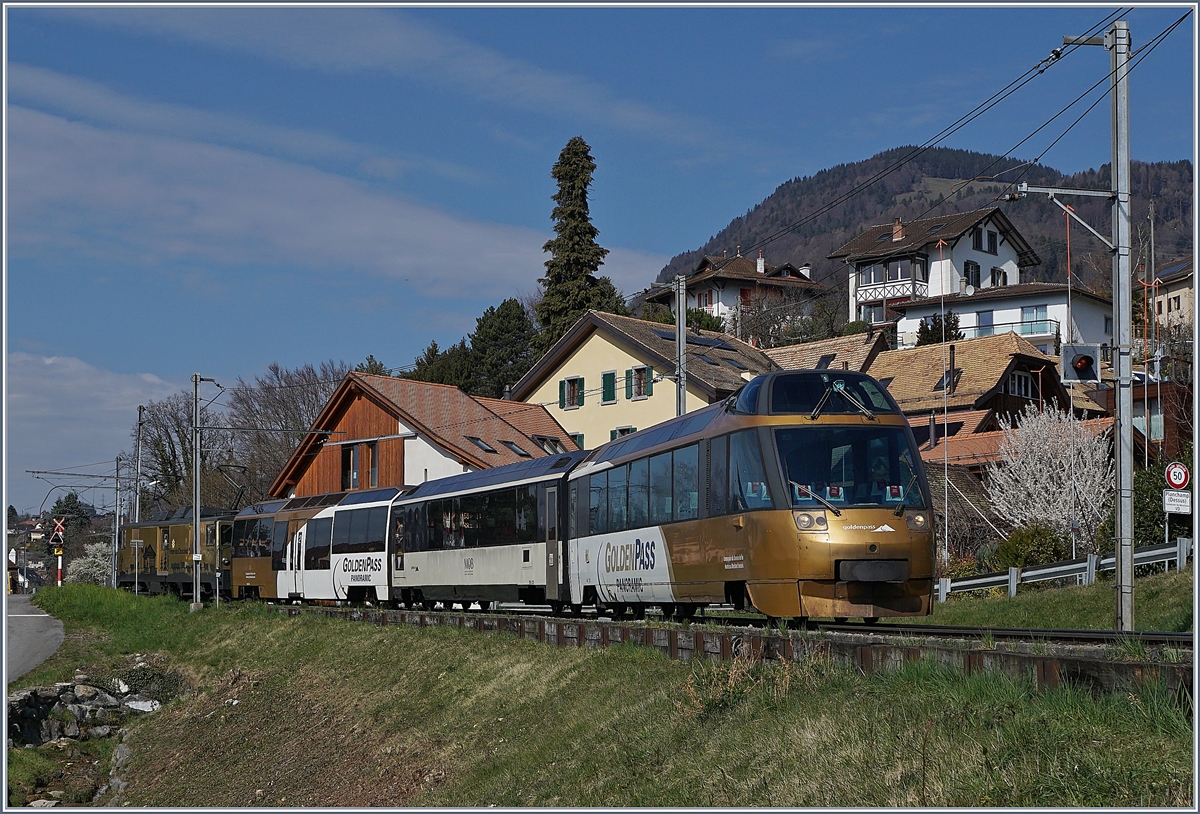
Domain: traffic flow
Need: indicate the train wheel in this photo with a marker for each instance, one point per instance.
(871, 620)
(427, 605)
(619, 609)
(772, 623)
(639, 611)
(484, 605)
(556, 608)
(840, 619)
(668, 610)
(576, 610)
(685, 611)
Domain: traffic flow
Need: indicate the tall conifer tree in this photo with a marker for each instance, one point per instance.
(571, 285)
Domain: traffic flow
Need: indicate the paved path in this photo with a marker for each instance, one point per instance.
(33, 636)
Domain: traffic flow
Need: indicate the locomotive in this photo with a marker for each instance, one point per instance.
(800, 495)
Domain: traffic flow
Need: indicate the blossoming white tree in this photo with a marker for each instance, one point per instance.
(93, 566)
(1053, 467)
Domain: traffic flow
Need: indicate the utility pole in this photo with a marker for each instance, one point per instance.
(137, 461)
(116, 518)
(196, 491)
(1118, 44)
(680, 345)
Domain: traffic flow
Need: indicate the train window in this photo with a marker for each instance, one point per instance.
(527, 517)
(574, 522)
(660, 489)
(639, 493)
(376, 529)
(210, 534)
(243, 541)
(747, 479)
(453, 523)
(598, 503)
(685, 490)
(718, 476)
(279, 547)
(800, 393)
(617, 498)
(316, 544)
(435, 529)
(471, 511)
(747, 400)
(864, 466)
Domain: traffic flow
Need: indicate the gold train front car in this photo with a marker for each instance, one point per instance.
(802, 496)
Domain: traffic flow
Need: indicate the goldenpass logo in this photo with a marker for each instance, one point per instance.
(635, 556)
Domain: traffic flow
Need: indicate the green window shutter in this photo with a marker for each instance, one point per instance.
(649, 381)
(628, 384)
(609, 386)
(632, 430)
(579, 440)
(612, 435)
(581, 391)
(562, 394)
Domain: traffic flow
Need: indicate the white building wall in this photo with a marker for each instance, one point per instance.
(425, 461)
(1087, 315)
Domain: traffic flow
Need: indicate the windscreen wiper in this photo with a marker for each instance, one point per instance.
(815, 496)
(904, 496)
(840, 386)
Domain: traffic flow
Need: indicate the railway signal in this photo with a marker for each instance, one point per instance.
(1079, 363)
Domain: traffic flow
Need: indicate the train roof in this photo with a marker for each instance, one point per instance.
(340, 499)
(183, 514)
(551, 465)
(678, 427)
(267, 507)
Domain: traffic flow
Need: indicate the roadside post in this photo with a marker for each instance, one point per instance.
(56, 540)
(1176, 499)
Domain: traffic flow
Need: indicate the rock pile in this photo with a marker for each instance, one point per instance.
(72, 709)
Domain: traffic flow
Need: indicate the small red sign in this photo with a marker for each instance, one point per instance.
(1178, 476)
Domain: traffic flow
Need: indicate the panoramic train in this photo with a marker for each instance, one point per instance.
(155, 556)
(801, 495)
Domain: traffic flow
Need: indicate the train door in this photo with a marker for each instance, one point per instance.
(297, 560)
(553, 558)
(163, 552)
(224, 554)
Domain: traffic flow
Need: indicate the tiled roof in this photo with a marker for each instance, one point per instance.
(716, 363)
(529, 421)
(857, 351)
(1002, 292)
(447, 416)
(960, 422)
(740, 268)
(877, 240)
(984, 447)
(981, 364)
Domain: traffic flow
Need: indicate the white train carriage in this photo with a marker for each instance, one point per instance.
(490, 536)
(334, 552)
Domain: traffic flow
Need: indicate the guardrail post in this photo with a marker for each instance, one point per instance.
(1014, 576)
(1093, 562)
(943, 588)
(1183, 549)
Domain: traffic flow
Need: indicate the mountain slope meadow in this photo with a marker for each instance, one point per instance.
(312, 711)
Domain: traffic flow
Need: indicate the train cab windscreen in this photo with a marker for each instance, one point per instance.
(849, 466)
(829, 393)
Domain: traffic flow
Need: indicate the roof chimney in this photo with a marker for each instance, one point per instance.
(806, 271)
(739, 250)
(962, 286)
(897, 230)
(762, 264)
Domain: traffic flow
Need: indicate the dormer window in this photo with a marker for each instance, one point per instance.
(479, 442)
(999, 277)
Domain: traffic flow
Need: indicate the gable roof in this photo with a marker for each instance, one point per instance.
(981, 366)
(857, 351)
(442, 413)
(877, 242)
(1175, 271)
(1002, 292)
(741, 269)
(720, 374)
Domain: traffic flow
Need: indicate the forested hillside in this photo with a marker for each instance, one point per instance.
(943, 180)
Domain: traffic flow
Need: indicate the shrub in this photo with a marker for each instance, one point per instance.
(1032, 545)
(93, 567)
(858, 326)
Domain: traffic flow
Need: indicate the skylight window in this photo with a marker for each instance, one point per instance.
(479, 442)
(736, 364)
(883, 237)
(825, 361)
(937, 227)
(515, 448)
(710, 361)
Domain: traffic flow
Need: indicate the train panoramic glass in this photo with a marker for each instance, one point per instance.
(849, 466)
(820, 393)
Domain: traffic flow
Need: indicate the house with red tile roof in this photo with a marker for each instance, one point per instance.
(382, 431)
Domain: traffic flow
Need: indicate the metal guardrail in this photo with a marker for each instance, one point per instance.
(1085, 567)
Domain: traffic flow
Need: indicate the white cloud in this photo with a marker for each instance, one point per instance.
(76, 189)
(79, 98)
(61, 412)
(351, 40)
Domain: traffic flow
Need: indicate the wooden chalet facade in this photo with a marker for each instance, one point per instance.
(378, 431)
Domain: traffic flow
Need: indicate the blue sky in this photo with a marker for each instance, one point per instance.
(216, 189)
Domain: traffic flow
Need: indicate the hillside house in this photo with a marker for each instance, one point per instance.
(854, 352)
(610, 376)
(380, 431)
(725, 287)
(1174, 298)
(896, 263)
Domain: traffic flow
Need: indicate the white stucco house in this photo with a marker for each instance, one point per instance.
(958, 254)
(1037, 312)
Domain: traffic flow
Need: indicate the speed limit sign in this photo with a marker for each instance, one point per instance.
(1178, 476)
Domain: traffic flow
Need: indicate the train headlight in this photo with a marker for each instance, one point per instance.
(804, 521)
(917, 521)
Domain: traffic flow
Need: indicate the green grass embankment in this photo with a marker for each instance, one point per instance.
(338, 713)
